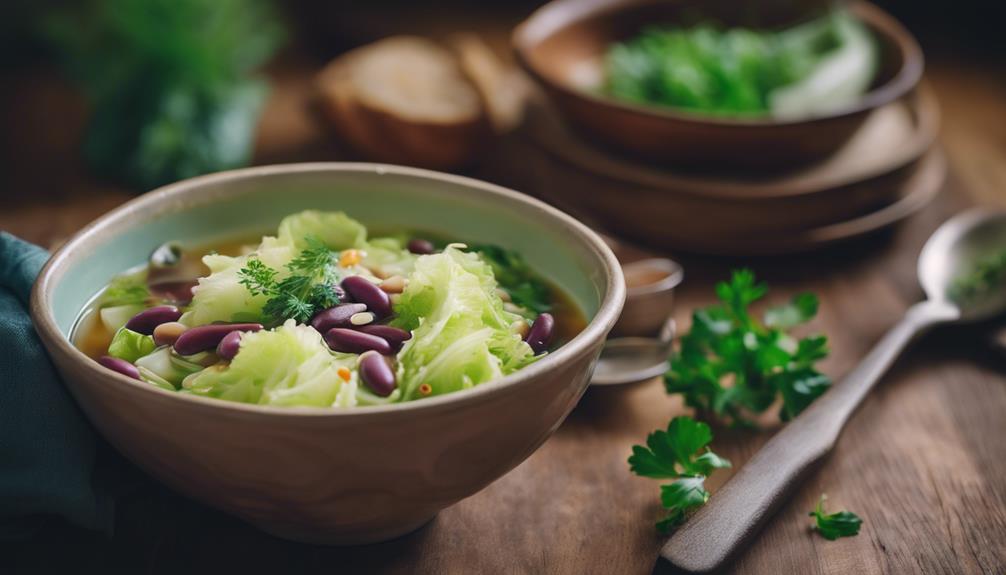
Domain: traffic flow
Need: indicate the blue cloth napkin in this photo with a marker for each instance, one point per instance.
(47, 447)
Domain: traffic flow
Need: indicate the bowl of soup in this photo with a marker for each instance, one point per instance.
(332, 352)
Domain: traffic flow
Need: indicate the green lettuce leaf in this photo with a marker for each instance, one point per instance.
(461, 334)
(336, 229)
(390, 256)
(288, 366)
(129, 345)
(125, 289)
(163, 366)
(115, 317)
(220, 295)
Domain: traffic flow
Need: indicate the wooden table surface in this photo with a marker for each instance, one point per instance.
(923, 461)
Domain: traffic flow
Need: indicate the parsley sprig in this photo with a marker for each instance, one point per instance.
(988, 274)
(514, 275)
(834, 525)
(310, 286)
(732, 365)
(680, 453)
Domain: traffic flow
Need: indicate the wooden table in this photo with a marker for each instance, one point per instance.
(923, 462)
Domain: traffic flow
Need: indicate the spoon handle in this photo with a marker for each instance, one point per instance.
(736, 512)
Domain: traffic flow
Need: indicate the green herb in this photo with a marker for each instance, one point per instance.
(743, 72)
(731, 365)
(680, 453)
(170, 82)
(516, 277)
(835, 525)
(126, 289)
(988, 274)
(309, 288)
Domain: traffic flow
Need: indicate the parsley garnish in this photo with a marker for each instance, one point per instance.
(310, 287)
(516, 277)
(731, 364)
(988, 274)
(680, 453)
(835, 525)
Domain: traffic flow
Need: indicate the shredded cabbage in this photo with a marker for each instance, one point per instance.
(336, 229)
(289, 366)
(390, 256)
(130, 345)
(220, 295)
(163, 366)
(461, 333)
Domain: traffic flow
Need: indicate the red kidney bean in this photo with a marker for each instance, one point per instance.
(205, 337)
(351, 341)
(541, 332)
(145, 321)
(177, 291)
(337, 316)
(120, 365)
(377, 374)
(369, 294)
(343, 296)
(228, 346)
(394, 336)
(420, 246)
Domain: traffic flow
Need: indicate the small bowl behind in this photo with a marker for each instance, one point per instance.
(649, 296)
(562, 44)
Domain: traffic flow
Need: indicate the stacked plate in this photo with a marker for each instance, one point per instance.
(888, 170)
(820, 180)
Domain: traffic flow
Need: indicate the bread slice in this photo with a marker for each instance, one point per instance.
(504, 90)
(405, 100)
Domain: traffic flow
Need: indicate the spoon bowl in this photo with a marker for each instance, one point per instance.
(627, 360)
(954, 252)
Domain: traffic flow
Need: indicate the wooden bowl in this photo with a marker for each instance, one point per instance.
(562, 45)
(884, 173)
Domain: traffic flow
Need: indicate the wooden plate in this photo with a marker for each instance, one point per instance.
(918, 191)
(662, 208)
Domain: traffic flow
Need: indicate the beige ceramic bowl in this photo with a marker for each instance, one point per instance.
(326, 475)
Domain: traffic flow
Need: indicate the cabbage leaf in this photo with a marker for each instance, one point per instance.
(461, 334)
(288, 366)
(130, 345)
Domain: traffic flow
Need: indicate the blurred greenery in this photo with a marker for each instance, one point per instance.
(731, 71)
(171, 82)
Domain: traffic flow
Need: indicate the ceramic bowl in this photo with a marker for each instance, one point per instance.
(562, 45)
(326, 475)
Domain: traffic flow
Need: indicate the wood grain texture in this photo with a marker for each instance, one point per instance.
(923, 461)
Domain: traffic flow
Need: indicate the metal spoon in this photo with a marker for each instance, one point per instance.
(736, 512)
(626, 360)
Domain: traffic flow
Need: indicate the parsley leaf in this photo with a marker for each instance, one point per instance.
(680, 453)
(732, 365)
(835, 525)
(988, 274)
(257, 277)
(516, 277)
(310, 287)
